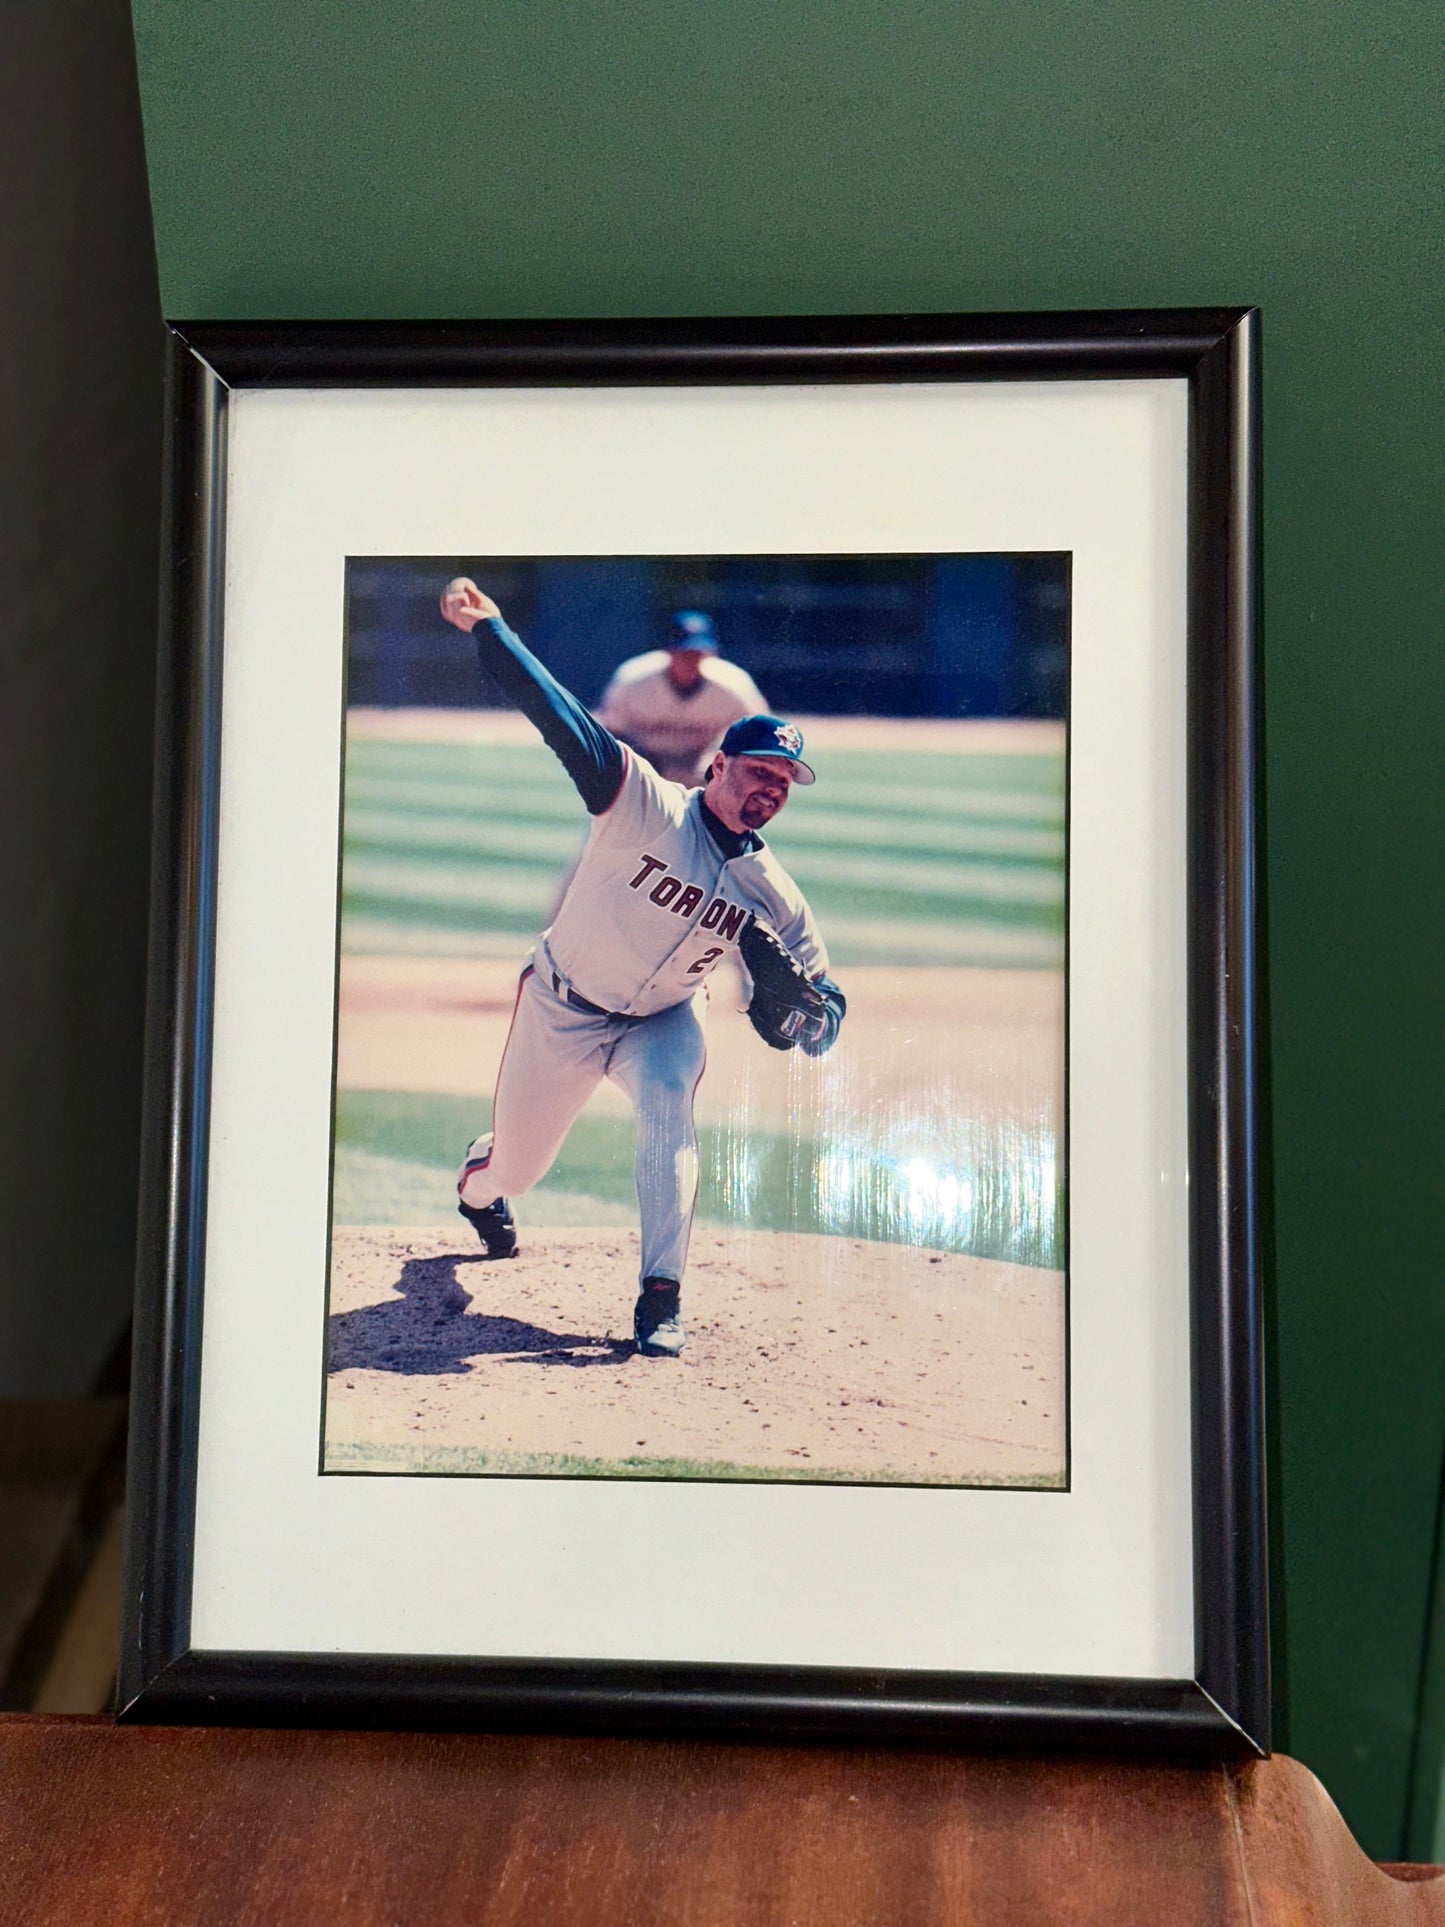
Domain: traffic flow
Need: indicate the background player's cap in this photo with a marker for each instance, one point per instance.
(691, 629)
(768, 736)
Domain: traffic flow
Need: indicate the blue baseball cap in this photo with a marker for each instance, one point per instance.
(691, 629)
(768, 736)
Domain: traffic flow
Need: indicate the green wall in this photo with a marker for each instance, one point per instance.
(767, 156)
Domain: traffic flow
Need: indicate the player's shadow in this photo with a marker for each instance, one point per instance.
(429, 1329)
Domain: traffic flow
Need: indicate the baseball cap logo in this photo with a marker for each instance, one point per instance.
(768, 736)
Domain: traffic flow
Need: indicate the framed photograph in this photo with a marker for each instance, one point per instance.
(700, 1164)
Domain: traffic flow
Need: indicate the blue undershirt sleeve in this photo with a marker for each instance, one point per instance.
(590, 754)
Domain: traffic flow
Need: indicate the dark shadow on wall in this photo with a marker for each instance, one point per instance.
(80, 408)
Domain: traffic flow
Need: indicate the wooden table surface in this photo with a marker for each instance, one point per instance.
(121, 1825)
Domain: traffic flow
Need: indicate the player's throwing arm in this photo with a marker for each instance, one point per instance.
(671, 881)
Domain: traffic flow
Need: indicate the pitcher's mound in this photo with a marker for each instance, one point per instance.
(807, 1357)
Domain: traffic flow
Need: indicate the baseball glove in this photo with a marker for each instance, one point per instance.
(788, 1007)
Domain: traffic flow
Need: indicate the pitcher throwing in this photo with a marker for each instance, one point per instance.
(671, 880)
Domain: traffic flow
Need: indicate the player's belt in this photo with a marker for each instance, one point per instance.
(574, 997)
(578, 1001)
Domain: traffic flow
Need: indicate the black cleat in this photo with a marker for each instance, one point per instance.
(657, 1321)
(494, 1225)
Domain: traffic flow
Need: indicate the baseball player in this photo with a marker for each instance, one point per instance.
(673, 704)
(670, 881)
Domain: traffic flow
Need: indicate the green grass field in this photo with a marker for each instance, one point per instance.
(397, 1154)
(907, 857)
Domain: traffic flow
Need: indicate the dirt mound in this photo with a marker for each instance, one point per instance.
(807, 1357)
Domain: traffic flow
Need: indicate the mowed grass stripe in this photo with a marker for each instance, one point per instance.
(505, 840)
(975, 800)
(479, 888)
(545, 802)
(1030, 788)
(878, 913)
(380, 930)
(376, 925)
(504, 833)
(467, 850)
(946, 886)
(805, 829)
(981, 881)
(557, 801)
(939, 770)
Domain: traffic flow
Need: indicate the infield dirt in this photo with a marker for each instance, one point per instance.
(808, 1357)
(981, 1044)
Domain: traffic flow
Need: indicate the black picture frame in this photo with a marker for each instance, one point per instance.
(1224, 1707)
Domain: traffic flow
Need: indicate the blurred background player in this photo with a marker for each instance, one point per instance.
(674, 705)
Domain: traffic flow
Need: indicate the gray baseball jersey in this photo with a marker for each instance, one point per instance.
(655, 902)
